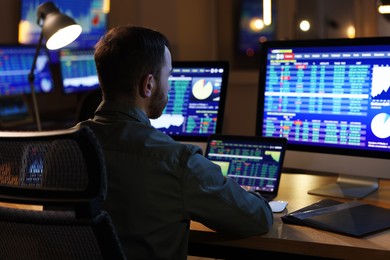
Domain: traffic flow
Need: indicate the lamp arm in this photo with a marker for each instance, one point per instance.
(31, 78)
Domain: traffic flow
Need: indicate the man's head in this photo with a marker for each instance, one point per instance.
(133, 65)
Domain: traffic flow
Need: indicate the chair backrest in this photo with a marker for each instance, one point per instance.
(52, 186)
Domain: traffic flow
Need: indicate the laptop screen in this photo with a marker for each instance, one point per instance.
(196, 100)
(254, 162)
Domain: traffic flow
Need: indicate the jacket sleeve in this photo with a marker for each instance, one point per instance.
(220, 203)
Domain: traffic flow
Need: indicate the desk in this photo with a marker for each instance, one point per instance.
(291, 239)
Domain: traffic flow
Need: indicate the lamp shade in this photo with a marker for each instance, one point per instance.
(58, 29)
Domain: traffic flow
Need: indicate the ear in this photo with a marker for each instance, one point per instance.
(147, 86)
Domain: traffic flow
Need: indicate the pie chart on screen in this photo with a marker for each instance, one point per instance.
(202, 89)
(380, 125)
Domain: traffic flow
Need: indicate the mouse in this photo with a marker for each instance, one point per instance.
(278, 205)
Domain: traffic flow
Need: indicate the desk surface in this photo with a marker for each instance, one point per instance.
(305, 241)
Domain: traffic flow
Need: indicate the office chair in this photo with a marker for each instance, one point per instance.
(52, 186)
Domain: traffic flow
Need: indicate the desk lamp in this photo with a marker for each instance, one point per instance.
(59, 30)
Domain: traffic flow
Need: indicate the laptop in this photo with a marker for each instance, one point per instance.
(254, 162)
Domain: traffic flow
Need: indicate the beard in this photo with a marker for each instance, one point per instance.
(158, 102)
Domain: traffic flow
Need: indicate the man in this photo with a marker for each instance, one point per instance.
(155, 184)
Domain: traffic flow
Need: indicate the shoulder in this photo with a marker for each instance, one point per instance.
(136, 137)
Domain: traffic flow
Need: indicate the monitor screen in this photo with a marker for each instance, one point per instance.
(14, 111)
(196, 100)
(78, 70)
(15, 65)
(330, 99)
(90, 14)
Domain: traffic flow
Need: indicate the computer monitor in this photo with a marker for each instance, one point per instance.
(15, 65)
(196, 100)
(14, 111)
(78, 70)
(331, 99)
(90, 14)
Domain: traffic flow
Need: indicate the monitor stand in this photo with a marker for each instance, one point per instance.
(348, 187)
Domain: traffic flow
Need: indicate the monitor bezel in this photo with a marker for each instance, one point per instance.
(339, 42)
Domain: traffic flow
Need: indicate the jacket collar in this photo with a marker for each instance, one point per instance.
(113, 110)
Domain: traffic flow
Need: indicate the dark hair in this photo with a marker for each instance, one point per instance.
(125, 55)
